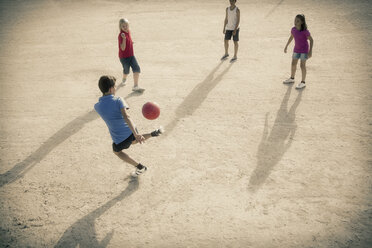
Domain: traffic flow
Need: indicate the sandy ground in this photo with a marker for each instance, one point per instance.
(246, 162)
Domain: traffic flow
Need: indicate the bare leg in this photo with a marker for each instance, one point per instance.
(125, 76)
(293, 67)
(303, 69)
(236, 47)
(226, 47)
(126, 158)
(146, 136)
(135, 78)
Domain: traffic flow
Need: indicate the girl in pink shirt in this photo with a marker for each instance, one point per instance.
(301, 51)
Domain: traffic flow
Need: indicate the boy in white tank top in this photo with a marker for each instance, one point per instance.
(231, 28)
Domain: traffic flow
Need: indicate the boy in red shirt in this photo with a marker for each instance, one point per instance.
(126, 55)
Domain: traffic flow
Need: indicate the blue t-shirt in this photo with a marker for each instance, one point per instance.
(109, 108)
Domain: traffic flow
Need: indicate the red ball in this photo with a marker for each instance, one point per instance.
(151, 110)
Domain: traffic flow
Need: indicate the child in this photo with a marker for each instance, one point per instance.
(231, 28)
(126, 54)
(301, 50)
(114, 112)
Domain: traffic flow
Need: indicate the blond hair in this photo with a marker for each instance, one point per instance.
(121, 21)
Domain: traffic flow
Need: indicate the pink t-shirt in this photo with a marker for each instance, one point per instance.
(300, 37)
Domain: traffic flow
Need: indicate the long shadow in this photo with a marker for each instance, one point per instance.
(274, 8)
(274, 145)
(196, 97)
(21, 168)
(83, 234)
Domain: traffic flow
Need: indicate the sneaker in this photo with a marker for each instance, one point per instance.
(289, 81)
(301, 85)
(137, 89)
(224, 57)
(123, 82)
(157, 132)
(139, 171)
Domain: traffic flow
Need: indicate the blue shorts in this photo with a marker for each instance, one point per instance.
(302, 56)
(130, 62)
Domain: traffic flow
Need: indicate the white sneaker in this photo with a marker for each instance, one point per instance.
(301, 85)
(123, 82)
(289, 81)
(137, 89)
(139, 171)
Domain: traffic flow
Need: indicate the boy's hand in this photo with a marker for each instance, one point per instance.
(140, 139)
(224, 31)
(285, 49)
(310, 54)
(123, 36)
(234, 32)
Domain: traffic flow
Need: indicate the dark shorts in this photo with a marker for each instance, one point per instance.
(229, 33)
(130, 62)
(124, 144)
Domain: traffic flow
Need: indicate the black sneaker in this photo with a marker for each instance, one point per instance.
(224, 57)
(157, 132)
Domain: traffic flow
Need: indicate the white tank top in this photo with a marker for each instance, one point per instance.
(232, 18)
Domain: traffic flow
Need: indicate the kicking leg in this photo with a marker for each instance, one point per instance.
(155, 133)
(146, 136)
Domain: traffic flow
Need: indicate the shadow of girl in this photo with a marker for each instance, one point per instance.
(274, 145)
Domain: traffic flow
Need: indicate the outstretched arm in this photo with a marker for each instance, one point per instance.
(289, 41)
(310, 54)
(128, 120)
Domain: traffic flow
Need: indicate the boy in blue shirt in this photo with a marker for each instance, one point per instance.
(114, 111)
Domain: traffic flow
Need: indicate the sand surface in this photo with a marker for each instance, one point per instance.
(246, 162)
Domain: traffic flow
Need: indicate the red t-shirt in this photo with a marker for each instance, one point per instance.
(128, 52)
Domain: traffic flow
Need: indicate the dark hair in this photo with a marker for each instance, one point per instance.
(105, 83)
(303, 20)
